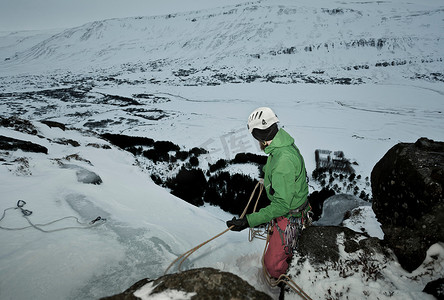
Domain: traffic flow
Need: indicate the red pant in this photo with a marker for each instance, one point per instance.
(277, 255)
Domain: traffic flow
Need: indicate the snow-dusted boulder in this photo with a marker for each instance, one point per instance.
(335, 208)
(204, 283)
(320, 244)
(408, 198)
(335, 262)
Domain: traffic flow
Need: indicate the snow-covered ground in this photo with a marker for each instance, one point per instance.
(146, 228)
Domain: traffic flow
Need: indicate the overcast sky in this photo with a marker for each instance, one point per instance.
(48, 14)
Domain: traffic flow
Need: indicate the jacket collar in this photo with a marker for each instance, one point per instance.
(281, 139)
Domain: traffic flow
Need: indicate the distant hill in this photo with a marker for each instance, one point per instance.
(317, 40)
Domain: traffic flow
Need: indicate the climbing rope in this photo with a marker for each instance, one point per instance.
(254, 233)
(26, 213)
(187, 254)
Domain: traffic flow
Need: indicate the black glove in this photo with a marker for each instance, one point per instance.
(239, 224)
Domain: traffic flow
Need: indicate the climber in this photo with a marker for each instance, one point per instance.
(285, 183)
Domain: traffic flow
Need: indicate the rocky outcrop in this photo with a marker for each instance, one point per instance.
(19, 125)
(205, 283)
(435, 288)
(320, 244)
(52, 124)
(408, 199)
(11, 144)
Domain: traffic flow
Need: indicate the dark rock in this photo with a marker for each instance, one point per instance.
(408, 199)
(98, 146)
(18, 124)
(125, 141)
(207, 283)
(52, 124)
(435, 288)
(67, 142)
(11, 144)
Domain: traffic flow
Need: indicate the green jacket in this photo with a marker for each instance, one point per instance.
(285, 180)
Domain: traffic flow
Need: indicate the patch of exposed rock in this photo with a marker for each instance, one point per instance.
(11, 144)
(18, 124)
(206, 283)
(320, 244)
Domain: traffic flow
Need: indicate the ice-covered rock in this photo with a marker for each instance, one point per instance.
(84, 175)
(336, 207)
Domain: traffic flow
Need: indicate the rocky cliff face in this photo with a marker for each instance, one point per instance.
(407, 185)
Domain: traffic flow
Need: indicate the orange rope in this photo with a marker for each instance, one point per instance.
(187, 254)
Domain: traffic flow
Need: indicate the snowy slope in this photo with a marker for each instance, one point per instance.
(145, 230)
(146, 227)
(12, 43)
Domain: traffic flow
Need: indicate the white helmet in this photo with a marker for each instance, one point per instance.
(261, 118)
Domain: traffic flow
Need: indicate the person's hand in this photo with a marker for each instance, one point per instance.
(239, 224)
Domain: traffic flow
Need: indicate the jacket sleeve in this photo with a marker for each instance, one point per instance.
(283, 184)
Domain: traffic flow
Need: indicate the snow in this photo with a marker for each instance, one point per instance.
(363, 219)
(146, 228)
(145, 293)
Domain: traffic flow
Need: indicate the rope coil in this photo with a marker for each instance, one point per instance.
(26, 213)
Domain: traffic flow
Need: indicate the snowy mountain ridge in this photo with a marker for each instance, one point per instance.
(329, 38)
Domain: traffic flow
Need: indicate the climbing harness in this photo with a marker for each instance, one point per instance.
(254, 233)
(26, 213)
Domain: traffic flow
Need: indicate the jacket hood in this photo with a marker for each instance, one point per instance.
(281, 139)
